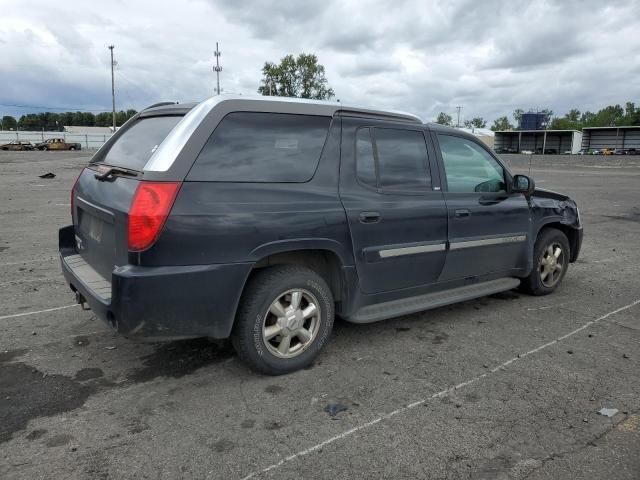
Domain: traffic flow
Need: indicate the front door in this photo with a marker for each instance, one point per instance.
(488, 228)
(397, 220)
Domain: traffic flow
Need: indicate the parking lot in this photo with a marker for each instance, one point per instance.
(504, 387)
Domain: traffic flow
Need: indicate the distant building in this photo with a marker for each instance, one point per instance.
(88, 130)
(534, 121)
(623, 137)
(538, 141)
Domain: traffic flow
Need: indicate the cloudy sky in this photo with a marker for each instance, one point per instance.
(419, 56)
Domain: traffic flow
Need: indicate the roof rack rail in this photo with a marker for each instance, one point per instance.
(160, 104)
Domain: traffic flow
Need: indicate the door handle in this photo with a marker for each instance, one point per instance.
(369, 217)
(463, 213)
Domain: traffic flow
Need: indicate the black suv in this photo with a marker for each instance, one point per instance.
(262, 219)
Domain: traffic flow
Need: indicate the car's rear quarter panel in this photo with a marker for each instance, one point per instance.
(226, 222)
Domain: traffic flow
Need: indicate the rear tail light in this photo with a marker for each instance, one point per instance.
(150, 207)
(73, 192)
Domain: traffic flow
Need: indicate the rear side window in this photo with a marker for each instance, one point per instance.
(262, 147)
(402, 160)
(135, 146)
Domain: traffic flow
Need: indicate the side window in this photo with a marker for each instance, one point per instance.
(402, 160)
(365, 161)
(468, 167)
(262, 147)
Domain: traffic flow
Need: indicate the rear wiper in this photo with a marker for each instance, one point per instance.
(107, 173)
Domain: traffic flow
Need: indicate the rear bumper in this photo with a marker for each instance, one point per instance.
(161, 303)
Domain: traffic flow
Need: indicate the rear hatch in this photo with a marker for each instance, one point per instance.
(102, 196)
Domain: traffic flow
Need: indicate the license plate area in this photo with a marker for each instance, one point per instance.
(95, 237)
(91, 226)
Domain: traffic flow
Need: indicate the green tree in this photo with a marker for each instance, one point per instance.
(475, 122)
(301, 77)
(501, 124)
(103, 119)
(444, 119)
(517, 116)
(573, 115)
(9, 123)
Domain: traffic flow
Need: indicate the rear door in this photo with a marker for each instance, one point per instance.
(396, 213)
(488, 228)
(101, 206)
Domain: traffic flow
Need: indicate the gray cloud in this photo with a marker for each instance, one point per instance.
(419, 56)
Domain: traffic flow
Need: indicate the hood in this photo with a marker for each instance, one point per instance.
(542, 193)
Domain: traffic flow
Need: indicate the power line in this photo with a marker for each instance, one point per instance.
(113, 90)
(217, 68)
(68, 109)
(458, 108)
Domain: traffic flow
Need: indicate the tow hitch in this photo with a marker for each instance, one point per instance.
(81, 300)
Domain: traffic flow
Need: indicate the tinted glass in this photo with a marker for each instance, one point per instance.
(469, 167)
(402, 160)
(262, 147)
(365, 161)
(136, 145)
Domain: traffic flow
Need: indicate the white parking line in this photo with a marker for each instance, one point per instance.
(24, 314)
(442, 393)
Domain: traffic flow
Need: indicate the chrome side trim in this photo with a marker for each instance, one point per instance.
(487, 241)
(397, 252)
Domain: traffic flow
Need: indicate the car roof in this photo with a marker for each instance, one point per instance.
(282, 105)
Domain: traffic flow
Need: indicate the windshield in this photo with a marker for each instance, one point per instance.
(134, 147)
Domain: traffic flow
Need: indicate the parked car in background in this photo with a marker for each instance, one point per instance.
(619, 151)
(567, 152)
(261, 219)
(547, 151)
(606, 151)
(17, 145)
(633, 151)
(584, 151)
(526, 152)
(57, 144)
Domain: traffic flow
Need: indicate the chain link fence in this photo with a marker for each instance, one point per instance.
(88, 141)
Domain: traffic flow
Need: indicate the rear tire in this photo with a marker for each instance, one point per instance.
(551, 255)
(72, 148)
(284, 319)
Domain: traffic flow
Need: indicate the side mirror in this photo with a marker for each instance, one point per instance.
(523, 184)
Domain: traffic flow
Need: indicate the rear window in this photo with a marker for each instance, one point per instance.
(136, 145)
(262, 147)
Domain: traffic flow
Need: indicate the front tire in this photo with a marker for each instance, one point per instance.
(284, 319)
(551, 255)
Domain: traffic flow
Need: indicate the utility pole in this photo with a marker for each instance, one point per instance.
(458, 108)
(113, 90)
(217, 68)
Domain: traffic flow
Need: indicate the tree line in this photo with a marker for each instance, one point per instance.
(55, 122)
(609, 116)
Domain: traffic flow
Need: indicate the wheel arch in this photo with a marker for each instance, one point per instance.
(325, 262)
(572, 233)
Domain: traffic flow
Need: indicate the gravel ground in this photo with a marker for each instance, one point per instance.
(503, 387)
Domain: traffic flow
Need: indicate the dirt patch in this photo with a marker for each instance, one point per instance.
(177, 359)
(85, 374)
(28, 393)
